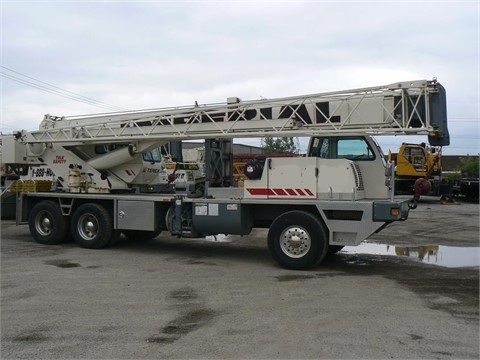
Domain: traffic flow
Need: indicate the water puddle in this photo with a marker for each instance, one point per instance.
(447, 256)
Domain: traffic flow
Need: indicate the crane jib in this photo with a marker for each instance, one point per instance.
(415, 107)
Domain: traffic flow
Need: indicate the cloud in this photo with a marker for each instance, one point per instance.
(159, 54)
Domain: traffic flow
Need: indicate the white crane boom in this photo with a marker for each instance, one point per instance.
(411, 107)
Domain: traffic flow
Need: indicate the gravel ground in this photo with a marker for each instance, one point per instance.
(171, 298)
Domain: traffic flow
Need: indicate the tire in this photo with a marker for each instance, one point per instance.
(333, 249)
(139, 235)
(297, 240)
(253, 170)
(47, 224)
(92, 226)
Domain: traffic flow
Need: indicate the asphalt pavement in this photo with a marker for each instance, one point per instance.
(225, 298)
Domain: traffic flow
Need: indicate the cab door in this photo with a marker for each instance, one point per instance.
(292, 178)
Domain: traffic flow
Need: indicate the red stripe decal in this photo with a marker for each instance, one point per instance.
(300, 191)
(279, 192)
(260, 191)
(291, 192)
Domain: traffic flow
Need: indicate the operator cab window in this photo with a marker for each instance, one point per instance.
(152, 156)
(106, 148)
(351, 148)
(414, 153)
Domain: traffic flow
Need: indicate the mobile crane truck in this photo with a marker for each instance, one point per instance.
(339, 194)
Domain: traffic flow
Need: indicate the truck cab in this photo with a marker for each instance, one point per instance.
(363, 151)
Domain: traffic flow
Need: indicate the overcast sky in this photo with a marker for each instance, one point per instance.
(156, 53)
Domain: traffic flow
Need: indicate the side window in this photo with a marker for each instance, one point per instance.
(354, 149)
(101, 149)
(320, 148)
(351, 148)
(152, 156)
(147, 156)
(106, 148)
(416, 157)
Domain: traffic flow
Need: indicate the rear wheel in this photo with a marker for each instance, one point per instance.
(92, 226)
(47, 224)
(297, 240)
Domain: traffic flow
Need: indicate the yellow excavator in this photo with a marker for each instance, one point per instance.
(418, 169)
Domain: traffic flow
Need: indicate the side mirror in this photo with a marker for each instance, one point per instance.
(389, 169)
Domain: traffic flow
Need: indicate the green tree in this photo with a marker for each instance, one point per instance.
(470, 166)
(279, 145)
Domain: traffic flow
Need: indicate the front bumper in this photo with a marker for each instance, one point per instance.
(390, 210)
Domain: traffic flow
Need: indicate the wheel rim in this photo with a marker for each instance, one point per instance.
(295, 241)
(88, 226)
(44, 223)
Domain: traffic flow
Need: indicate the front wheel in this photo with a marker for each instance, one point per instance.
(92, 226)
(297, 240)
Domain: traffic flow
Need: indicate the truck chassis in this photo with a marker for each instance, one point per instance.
(296, 228)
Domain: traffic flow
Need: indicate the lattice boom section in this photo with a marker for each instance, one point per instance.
(396, 108)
